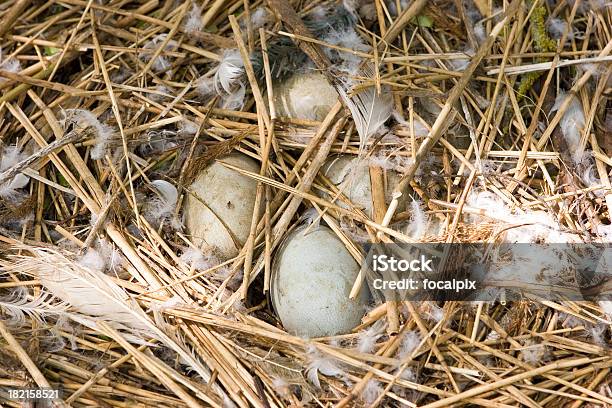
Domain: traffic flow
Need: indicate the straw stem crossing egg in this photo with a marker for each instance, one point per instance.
(219, 206)
(312, 277)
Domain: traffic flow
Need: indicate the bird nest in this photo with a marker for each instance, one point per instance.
(474, 122)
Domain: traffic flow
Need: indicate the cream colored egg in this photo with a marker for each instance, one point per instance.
(304, 96)
(219, 206)
(312, 277)
(352, 177)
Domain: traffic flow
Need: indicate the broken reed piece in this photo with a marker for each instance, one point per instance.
(378, 214)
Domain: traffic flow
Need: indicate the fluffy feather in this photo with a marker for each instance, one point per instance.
(11, 155)
(460, 64)
(597, 333)
(346, 38)
(82, 120)
(9, 189)
(228, 403)
(569, 321)
(410, 342)
(160, 63)
(491, 203)
(381, 160)
(205, 86)
(111, 254)
(234, 100)
(366, 341)
(166, 190)
(281, 387)
(259, 17)
(93, 260)
(161, 92)
(409, 374)
(530, 226)
(371, 391)
(556, 27)
(318, 363)
(103, 257)
(542, 227)
(53, 343)
(606, 308)
(418, 220)
(480, 32)
(419, 129)
(533, 352)
(392, 160)
(197, 260)
(193, 20)
(121, 74)
(493, 335)
(9, 64)
(161, 208)
(433, 311)
(589, 176)
(229, 72)
(187, 128)
(174, 301)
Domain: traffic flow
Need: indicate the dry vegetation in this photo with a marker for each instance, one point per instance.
(110, 108)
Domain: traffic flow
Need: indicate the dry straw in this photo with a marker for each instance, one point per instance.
(495, 115)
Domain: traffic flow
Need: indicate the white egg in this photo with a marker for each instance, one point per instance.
(353, 179)
(312, 277)
(219, 206)
(304, 96)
